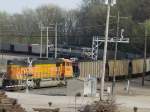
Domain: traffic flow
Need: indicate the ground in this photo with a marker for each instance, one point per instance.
(63, 97)
(67, 103)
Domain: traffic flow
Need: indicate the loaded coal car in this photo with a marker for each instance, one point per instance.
(19, 71)
(137, 66)
(121, 69)
(92, 68)
(118, 68)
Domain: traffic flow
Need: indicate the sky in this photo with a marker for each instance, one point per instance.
(16, 6)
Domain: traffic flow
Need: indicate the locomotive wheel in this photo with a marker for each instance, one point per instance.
(37, 83)
(5, 83)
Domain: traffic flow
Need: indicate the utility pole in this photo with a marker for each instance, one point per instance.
(105, 52)
(47, 40)
(145, 55)
(145, 52)
(1, 39)
(56, 41)
(116, 44)
(116, 50)
(41, 42)
(109, 3)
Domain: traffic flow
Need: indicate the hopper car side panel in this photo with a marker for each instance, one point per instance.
(148, 65)
(137, 66)
(118, 67)
(92, 68)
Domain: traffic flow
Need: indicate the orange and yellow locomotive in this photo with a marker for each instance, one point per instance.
(19, 71)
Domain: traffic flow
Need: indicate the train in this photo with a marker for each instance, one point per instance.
(121, 69)
(22, 48)
(34, 49)
(19, 71)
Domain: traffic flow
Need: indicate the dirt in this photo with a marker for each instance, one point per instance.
(125, 109)
(63, 97)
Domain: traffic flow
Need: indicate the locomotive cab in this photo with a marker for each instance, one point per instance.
(66, 68)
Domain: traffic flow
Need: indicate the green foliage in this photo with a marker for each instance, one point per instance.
(147, 26)
(80, 25)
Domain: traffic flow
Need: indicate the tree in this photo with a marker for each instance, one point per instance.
(143, 11)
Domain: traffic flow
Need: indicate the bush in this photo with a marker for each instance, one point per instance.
(101, 106)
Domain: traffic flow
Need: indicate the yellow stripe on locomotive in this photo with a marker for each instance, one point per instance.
(41, 69)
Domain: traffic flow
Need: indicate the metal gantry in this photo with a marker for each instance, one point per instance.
(47, 29)
(95, 45)
(97, 41)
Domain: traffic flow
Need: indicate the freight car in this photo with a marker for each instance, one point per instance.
(23, 48)
(119, 68)
(35, 49)
(18, 72)
(93, 68)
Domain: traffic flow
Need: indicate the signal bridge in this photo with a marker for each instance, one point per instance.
(97, 41)
(112, 40)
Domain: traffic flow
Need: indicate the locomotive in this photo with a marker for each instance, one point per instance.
(19, 71)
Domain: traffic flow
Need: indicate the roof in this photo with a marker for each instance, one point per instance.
(17, 62)
(45, 61)
(66, 60)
